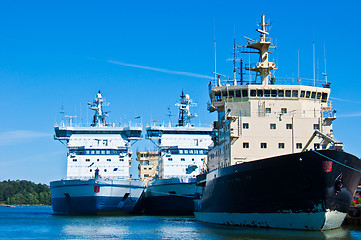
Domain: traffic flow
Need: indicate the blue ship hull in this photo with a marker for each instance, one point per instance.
(95, 197)
(89, 206)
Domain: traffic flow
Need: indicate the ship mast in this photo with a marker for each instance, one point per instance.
(99, 115)
(184, 114)
(264, 67)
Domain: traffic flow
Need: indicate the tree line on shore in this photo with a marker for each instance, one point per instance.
(22, 192)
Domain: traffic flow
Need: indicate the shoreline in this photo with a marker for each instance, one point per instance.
(22, 205)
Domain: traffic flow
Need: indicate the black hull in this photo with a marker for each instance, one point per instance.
(293, 183)
(169, 199)
(168, 205)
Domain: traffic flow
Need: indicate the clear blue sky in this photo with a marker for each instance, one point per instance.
(63, 52)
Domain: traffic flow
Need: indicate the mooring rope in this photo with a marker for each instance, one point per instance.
(333, 160)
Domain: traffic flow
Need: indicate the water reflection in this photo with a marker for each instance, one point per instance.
(225, 232)
(39, 223)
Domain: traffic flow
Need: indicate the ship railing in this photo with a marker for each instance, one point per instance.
(273, 81)
(129, 125)
(164, 124)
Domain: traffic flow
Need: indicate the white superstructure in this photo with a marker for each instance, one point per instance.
(182, 148)
(99, 146)
(98, 161)
(266, 117)
(275, 162)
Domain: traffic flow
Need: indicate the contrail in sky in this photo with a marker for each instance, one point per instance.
(350, 115)
(344, 100)
(188, 74)
(14, 137)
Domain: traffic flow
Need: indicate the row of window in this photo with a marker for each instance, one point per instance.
(187, 151)
(183, 159)
(270, 93)
(108, 160)
(281, 145)
(159, 133)
(147, 168)
(288, 126)
(98, 151)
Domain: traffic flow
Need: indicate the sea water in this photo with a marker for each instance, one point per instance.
(40, 223)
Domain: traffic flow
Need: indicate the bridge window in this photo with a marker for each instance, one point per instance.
(313, 95)
(308, 94)
(253, 93)
(231, 94)
(318, 95)
(295, 93)
(244, 93)
(281, 93)
(324, 97)
(273, 93)
(288, 93)
(260, 93)
(302, 94)
(238, 93)
(267, 93)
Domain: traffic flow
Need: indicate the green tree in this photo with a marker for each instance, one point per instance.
(24, 192)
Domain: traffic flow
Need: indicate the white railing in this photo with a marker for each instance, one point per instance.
(275, 81)
(89, 125)
(165, 124)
